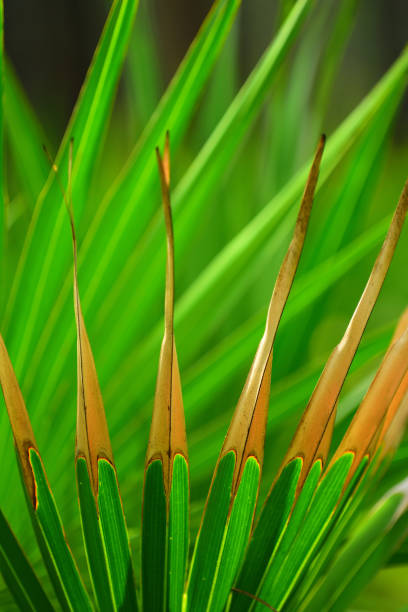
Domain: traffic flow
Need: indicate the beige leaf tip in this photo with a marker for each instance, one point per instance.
(246, 435)
(92, 439)
(167, 432)
(92, 436)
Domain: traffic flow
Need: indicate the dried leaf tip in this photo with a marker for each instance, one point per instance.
(23, 434)
(164, 173)
(167, 433)
(313, 435)
(92, 436)
(246, 434)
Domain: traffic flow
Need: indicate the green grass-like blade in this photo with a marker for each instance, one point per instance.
(236, 535)
(327, 495)
(178, 533)
(25, 137)
(210, 537)
(94, 545)
(268, 530)
(115, 537)
(331, 60)
(164, 537)
(296, 519)
(344, 520)
(63, 571)
(18, 573)
(142, 69)
(154, 539)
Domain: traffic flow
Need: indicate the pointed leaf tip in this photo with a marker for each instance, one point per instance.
(23, 434)
(246, 434)
(167, 433)
(92, 439)
(92, 436)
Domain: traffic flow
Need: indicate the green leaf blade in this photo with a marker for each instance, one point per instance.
(93, 539)
(154, 539)
(237, 535)
(178, 532)
(63, 571)
(115, 537)
(309, 534)
(211, 534)
(25, 136)
(267, 532)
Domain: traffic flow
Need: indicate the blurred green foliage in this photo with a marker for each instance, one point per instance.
(236, 183)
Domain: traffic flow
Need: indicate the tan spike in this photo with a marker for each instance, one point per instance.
(246, 433)
(92, 436)
(167, 433)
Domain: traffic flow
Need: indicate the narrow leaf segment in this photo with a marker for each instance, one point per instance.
(167, 433)
(209, 585)
(166, 488)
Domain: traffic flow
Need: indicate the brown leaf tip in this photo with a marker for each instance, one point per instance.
(23, 434)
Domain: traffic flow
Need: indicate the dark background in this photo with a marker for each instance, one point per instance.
(39, 37)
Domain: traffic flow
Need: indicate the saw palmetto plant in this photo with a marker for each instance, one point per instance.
(258, 285)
